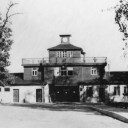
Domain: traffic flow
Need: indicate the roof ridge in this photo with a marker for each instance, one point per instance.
(66, 46)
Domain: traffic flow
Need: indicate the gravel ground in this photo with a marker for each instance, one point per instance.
(25, 117)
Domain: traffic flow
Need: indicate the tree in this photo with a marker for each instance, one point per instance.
(121, 18)
(5, 45)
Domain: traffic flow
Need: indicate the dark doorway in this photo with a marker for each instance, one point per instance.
(102, 94)
(15, 95)
(38, 95)
(89, 91)
(67, 94)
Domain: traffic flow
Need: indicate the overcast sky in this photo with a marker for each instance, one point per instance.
(42, 21)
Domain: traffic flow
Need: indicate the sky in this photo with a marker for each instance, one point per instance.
(90, 22)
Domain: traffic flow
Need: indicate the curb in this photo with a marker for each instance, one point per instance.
(110, 114)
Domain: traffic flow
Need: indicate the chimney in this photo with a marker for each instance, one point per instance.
(65, 39)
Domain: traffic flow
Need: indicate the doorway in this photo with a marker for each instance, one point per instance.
(15, 95)
(102, 94)
(38, 95)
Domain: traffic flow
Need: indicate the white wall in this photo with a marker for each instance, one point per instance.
(95, 91)
(82, 90)
(5, 96)
(83, 94)
(110, 90)
(25, 92)
(46, 94)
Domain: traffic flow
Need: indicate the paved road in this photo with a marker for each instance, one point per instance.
(27, 117)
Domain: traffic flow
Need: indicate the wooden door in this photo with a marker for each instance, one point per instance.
(38, 95)
(15, 95)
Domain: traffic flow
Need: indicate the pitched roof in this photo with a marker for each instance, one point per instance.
(65, 47)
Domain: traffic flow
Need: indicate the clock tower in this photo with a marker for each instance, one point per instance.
(65, 39)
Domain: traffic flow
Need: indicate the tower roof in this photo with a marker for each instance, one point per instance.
(65, 45)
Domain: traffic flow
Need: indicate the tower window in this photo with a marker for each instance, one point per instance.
(64, 54)
(69, 53)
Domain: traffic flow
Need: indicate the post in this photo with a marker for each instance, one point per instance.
(94, 59)
(41, 69)
(84, 58)
(43, 94)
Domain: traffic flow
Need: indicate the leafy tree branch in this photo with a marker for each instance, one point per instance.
(5, 45)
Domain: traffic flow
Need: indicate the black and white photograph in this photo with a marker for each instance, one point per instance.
(63, 63)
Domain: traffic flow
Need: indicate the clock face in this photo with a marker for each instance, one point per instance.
(65, 39)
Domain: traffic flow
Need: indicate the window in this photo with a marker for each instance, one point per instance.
(0, 89)
(66, 71)
(6, 89)
(64, 54)
(116, 90)
(125, 89)
(58, 54)
(70, 71)
(114, 93)
(63, 71)
(69, 53)
(93, 71)
(34, 72)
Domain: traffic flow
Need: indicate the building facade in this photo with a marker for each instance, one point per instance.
(117, 86)
(66, 71)
(67, 75)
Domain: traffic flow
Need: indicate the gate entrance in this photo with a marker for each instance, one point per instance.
(67, 94)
